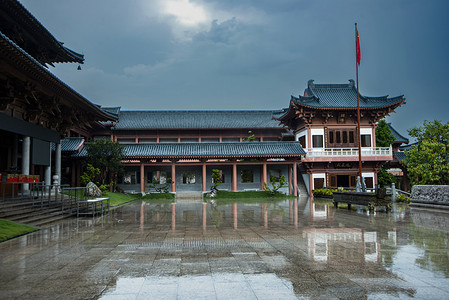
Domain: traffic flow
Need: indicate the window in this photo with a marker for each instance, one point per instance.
(247, 176)
(168, 140)
(338, 137)
(188, 177)
(126, 141)
(150, 140)
(317, 141)
(341, 138)
(210, 140)
(351, 137)
(160, 177)
(230, 140)
(189, 140)
(302, 141)
(365, 140)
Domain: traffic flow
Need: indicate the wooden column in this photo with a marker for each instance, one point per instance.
(234, 177)
(264, 175)
(295, 179)
(310, 185)
(204, 177)
(290, 183)
(173, 177)
(142, 177)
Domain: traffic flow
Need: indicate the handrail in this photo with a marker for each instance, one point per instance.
(378, 151)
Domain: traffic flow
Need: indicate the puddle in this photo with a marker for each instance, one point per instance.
(294, 248)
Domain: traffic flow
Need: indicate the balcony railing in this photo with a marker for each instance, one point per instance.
(320, 152)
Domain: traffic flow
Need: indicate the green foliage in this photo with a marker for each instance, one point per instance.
(276, 184)
(433, 131)
(384, 178)
(91, 174)
(402, 198)
(428, 161)
(384, 137)
(160, 188)
(251, 137)
(107, 156)
(9, 230)
(323, 192)
(216, 178)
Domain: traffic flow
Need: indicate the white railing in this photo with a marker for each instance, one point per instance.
(320, 152)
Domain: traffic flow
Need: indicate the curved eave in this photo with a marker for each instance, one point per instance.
(394, 105)
(289, 113)
(22, 61)
(36, 29)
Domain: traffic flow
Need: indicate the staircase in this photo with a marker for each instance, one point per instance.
(189, 196)
(302, 186)
(30, 212)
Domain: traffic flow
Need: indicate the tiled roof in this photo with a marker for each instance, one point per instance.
(115, 111)
(196, 119)
(29, 66)
(342, 96)
(400, 155)
(399, 138)
(210, 150)
(48, 50)
(405, 147)
(69, 144)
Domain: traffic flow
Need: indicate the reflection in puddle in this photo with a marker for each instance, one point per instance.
(220, 285)
(293, 248)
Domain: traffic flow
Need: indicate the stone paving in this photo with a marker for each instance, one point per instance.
(292, 249)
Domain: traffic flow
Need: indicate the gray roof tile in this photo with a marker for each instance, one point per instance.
(341, 96)
(399, 138)
(69, 144)
(196, 119)
(210, 150)
(400, 155)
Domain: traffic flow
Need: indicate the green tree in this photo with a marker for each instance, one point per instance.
(107, 156)
(384, 138)
(217, 179)
(428, 161)
(276, 184)
(251, 137)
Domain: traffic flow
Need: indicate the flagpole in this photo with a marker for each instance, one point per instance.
(357, 45)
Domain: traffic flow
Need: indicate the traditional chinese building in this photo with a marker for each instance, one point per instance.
(36, 108)
(247, 147)
(324, 121)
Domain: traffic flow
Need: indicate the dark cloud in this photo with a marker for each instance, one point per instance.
(254, 53)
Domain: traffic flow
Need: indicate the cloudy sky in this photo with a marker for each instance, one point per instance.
(252, 54)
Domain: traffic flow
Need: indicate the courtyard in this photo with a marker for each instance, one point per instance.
(288, 249)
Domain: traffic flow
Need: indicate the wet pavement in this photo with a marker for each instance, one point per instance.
(292, 249)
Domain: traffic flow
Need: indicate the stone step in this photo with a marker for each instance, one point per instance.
(50, 220)
(38, 218)
(20, 215)
(189, 197)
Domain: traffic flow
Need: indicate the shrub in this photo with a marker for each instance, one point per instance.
(403, 198)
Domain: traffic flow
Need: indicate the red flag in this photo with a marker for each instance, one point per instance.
(357, 45)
